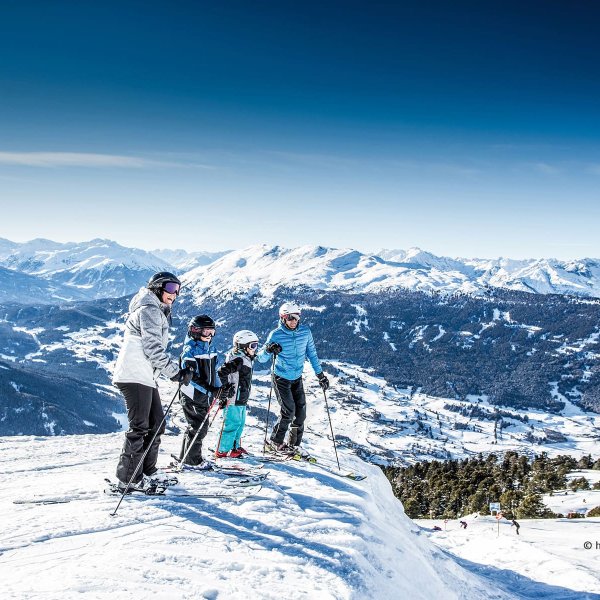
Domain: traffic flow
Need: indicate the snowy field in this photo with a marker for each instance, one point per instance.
(556, 559)
(305, 534)
(395, 426)
(567, 501)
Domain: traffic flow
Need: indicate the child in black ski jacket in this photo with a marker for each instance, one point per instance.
(236, 375)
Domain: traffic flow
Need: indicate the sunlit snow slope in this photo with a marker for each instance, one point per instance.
(305, 534)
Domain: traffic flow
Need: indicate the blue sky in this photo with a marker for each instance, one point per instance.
(468, 129)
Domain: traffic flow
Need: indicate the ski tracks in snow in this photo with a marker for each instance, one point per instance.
(306, 534)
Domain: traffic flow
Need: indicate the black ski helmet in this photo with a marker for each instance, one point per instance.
(198, 323)
(159, 279)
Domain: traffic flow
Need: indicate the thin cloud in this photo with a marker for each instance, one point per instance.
(546, 168)
(83, 159)
(594, 169)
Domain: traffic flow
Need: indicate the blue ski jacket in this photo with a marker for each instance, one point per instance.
(297, 346)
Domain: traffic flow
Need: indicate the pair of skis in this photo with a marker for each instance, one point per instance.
(237, 470)
(238, 488)
(235, 489)
(271, 456)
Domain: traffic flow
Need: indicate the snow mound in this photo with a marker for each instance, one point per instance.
(306, 534)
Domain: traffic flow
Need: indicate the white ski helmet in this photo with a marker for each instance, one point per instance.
(289, 308)
(244, 337)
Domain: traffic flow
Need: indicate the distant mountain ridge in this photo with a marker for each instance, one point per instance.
(102, 268)
(538, 275)
(262, 269)
(186, 261)
(52, 272)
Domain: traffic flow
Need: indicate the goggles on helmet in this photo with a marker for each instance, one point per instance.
(202, 331)
(171, 287)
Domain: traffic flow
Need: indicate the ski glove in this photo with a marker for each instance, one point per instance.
(227, 391)
(274, 348)
(184, 376)
(190, 363)
(323, 381)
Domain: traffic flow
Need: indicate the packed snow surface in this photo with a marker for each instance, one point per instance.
(557, 559)
(307, 533)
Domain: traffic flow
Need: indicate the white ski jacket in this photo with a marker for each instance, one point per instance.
(143, 355)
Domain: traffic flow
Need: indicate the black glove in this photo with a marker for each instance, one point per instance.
(227, 390)
(190, 363)
(273, 348)
(323, 381)
(184, 376)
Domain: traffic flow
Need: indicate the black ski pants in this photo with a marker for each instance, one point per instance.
(292, 403)
(145, 414)
(195, 412)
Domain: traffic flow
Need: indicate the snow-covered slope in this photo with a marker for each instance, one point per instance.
(95, 269)
(186, 261)
(542, 276)
(393, 426)
(24, 289)
(262, 269)
(102, 268)
(581, 501)
(547, 560)
(305, 535)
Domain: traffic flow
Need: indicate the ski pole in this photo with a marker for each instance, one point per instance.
(141, 461)
(222, 428)
(269, 406)
(191, 445)
(215, 416)
(331, 427)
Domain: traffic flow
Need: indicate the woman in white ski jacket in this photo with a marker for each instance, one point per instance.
(141, 360)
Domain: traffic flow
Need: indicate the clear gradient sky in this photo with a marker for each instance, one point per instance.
(465, 128)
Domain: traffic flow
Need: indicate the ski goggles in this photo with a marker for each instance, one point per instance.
(171, 287)
(291, 317)
(202, 331)
(252, 345)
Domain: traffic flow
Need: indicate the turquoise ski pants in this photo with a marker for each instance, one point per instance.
(235, 419)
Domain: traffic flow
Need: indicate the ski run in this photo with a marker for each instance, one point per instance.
(301, 533)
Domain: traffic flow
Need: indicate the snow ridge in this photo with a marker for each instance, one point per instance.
(262, 269)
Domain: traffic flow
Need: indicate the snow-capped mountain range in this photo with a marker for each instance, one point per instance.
(103, 269)
(262, 269)
(83, 271)
(542, 275)
(88, 270)
(186, 261)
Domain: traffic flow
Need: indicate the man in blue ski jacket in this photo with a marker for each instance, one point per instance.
(290, 345)
(200, 356)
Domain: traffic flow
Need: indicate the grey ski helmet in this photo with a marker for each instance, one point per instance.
(245, 339)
